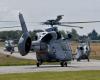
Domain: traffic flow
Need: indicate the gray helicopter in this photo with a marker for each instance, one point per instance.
(83, 49)
(49, 46)
(9, 46)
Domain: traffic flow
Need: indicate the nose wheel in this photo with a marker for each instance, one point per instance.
(39, 63)
(63, 64)
(88, 59)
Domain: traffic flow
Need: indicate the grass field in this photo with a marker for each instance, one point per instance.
(77, 75)
(8, 61)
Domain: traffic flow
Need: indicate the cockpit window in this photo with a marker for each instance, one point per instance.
(47, 38)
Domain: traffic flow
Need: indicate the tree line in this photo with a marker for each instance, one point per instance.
(93, 35)
(15, 35)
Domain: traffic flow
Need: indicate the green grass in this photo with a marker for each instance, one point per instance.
(10, 61)
(73, 75)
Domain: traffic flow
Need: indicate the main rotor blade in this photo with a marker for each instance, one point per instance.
(79, 22)
(9, 27)
(8, 21)
(72, 26)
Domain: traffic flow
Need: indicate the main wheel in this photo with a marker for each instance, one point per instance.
(38, 64)
(62, 64)
(78, 60)
(88, 59)
(65, 63)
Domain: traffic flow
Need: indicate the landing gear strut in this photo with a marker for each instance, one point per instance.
(88, 59)
(39, 63)
(63, 64)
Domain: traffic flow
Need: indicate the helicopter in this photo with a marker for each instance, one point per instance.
(9, 46)
(83, 49)
(49, 46)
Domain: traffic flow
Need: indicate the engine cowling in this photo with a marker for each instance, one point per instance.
(24, 44)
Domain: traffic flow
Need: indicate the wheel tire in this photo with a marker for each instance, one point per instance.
(38, 65)
(88, 60)
(78, 60)
(62, 64)
(65, 64)
(73, 59)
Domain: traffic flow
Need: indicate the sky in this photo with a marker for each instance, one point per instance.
(42, 10)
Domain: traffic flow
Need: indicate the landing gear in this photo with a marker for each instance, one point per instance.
(63, 64)
(39, 63)
(88, 59)
(78, 59)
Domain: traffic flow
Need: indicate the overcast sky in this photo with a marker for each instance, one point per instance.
(41, 10)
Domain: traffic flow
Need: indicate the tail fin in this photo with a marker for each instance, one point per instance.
(24, 43)
(22, 22)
